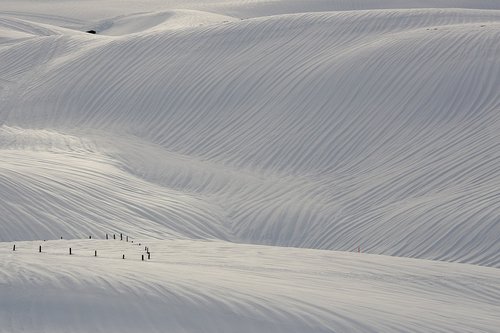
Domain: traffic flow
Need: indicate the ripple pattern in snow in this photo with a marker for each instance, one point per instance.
(327, 130)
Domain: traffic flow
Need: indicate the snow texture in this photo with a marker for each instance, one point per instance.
(200, 286)
(205, 125)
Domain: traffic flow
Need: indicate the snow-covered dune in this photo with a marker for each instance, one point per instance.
(329, 130)
(194, 286)
(158, 21)
(70, 13)
(208, 130)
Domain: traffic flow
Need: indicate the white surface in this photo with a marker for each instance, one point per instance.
(196, 286)
(324, 130)
(312, 124)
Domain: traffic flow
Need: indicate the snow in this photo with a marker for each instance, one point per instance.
(253, 144)
(194, 286)
(158, 21)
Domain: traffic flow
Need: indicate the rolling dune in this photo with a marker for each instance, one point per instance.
(325, 130)
(242, 139)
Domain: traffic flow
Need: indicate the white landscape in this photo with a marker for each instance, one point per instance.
(252, 147)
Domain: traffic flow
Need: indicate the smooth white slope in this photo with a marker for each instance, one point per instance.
(221, 287)
(377, 129)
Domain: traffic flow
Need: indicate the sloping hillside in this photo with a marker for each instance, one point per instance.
(199, 286)
(343, 133)
(328, 130)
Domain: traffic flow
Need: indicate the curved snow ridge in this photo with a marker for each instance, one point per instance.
(14, 138)
(280, 7)
(153, 22)
(187, 284)
(75, 14)
(325, 130)
(76, 193)
(283, 66)
(27, 28)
